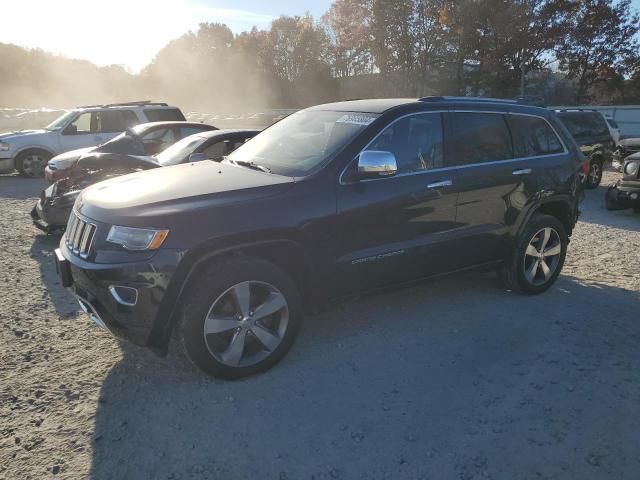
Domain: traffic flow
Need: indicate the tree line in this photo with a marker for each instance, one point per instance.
(554, 51)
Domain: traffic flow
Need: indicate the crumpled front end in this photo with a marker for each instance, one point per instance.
(52, 210)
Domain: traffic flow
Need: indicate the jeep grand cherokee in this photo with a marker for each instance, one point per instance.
(332, 200)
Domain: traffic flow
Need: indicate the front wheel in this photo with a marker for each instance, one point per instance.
(241, 318)
(594, 177)
(32, 163)
(538, 256)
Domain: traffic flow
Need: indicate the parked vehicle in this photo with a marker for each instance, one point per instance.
(591, 132)
(330, 201)
(28, 151)
(625, 193)
(52, 210)
(626, 147)
(144, 139)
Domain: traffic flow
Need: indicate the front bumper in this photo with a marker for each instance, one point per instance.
(53, 176)
(92, 285)
(51, 212)
(623, 194)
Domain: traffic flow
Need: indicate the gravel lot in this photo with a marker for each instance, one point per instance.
(454, 379)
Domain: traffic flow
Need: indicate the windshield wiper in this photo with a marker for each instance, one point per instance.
(252, 165)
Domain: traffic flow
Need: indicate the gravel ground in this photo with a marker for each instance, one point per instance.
(454, 379)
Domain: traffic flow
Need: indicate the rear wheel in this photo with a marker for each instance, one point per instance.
(594, 177)
(32, 163)
(538, 256)
(241, 318)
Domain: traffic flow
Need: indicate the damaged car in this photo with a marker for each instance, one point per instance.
(148, 138)
(625, 193)
(55, 203)
(626, 147)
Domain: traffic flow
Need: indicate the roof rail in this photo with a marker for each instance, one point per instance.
(577, 109)
(126, 104)
(465, 99)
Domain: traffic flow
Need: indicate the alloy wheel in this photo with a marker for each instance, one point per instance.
(594, 173)
(33, 165)
(246, 323)
(542, 256)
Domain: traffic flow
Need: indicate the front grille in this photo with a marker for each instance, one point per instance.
(79, 235)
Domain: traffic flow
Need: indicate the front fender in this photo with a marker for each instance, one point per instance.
(195, 259)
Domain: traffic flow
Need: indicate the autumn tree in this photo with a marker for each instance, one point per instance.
(602, 38)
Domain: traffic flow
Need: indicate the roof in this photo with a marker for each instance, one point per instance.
(381, 105)
(230, 131)
(143, 127)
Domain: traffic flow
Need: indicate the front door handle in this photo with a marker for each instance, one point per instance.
(443, 183)
(522, 171)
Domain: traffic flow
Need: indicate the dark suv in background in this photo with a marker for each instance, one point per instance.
(332, 200)
(590, 131)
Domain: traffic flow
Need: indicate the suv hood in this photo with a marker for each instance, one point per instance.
(8, 136)
(169, 190)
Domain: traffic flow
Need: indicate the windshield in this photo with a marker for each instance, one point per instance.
(302, 142)
(61, 121)
(177, 152)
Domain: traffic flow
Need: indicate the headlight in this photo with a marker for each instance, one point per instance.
(4, 146)
(631, 168)
(137, 238)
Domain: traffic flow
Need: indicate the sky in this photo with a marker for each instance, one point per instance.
(131, 32)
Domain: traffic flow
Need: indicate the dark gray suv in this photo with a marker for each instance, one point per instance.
(335, 199)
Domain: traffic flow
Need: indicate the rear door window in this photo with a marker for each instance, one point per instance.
(164, 114)
(112, 121)
(532, 136)
(479, 138)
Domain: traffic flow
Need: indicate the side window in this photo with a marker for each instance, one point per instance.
(186, 131)
(416, 142)
(479, 137)
(533, 136)
(163, 114)
(216, 150)
(83, 123)
(112, 121)
(157, 140)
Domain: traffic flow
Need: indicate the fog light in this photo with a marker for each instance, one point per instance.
(127, 296)
(633, 196)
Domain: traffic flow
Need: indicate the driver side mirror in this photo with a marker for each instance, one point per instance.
(376, 163)
(71, 129)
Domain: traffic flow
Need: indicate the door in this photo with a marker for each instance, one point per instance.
(394, 229)
(82, 132)
(500, 159)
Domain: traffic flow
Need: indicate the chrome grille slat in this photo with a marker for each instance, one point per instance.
(79, 236)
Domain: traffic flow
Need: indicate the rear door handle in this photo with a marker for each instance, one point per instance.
(443, 183)
(522, 171)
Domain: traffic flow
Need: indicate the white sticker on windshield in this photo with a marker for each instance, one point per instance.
(355, 119)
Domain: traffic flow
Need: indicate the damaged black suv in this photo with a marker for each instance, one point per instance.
(336, 199)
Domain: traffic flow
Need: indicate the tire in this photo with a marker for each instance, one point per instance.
(517, 271)
(31, 163)
(594, 177)
(213, 305)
